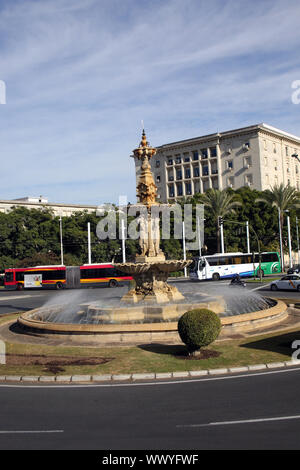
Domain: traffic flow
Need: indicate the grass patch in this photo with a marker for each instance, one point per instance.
(147, 358)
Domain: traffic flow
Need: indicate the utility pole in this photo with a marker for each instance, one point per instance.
(199, 236)
(89, 244)
(297, 231)
(61, 241)
(123, 240)
(248, 237)
(289, 241)
(280, 240)
(220, 224)
(183, 246)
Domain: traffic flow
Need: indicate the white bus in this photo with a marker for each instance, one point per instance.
(226, 265)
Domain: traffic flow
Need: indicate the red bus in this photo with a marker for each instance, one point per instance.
(59, 277)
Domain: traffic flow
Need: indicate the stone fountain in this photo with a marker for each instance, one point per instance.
(150, 270)
(148, 312)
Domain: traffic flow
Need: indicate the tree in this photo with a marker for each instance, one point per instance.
(219, 204)
(284, 198)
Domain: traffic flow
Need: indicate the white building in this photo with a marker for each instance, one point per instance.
(258, 156)
(41, 202)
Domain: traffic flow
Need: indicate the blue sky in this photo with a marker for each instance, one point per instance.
(80, 76)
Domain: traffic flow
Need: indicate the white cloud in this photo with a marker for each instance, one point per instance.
(80, 76)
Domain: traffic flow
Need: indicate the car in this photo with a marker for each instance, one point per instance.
(289, 282)
(294, 270)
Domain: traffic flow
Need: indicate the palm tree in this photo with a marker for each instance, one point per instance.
(220, 203)
(283, 198)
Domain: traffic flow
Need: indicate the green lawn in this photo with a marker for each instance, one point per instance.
(152, 358)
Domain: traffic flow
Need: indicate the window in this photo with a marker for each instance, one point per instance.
(9, 277)
(187, 173)
(171, 190)
(205, 171)
(286, 151)
(265, 144)
(267, 257)
(179, 189)
(204, 154)
(196, 171)
(186, 158)
(178, 174)
(19, 276)
(249, 179)
(213, 152)
(170, 177)
(248, 162)
(178, 160)
(188, 189)
(196, 155)
(170, 161)
(158, 178)
(274, 147)
(157, 164)
(229, 164)
(230, 182)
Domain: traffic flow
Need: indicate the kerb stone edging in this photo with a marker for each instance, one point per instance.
(116, 378)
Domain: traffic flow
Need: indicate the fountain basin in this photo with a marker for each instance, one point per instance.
(33, 322)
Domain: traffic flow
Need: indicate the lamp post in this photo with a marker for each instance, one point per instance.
(248, 237)
(297, 232)
(220, 225)
(89, 244)
(289, 240)
(280, 240)
(184, 248)
(199, 236)
(61, 241)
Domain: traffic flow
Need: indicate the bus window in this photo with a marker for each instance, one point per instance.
(213, 261)
(9, 277)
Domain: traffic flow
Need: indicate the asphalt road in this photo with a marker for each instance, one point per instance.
(253, 411)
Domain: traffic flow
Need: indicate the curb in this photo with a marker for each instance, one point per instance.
(86, 379)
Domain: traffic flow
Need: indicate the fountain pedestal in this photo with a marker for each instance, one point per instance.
(150, 270)
(151, 281)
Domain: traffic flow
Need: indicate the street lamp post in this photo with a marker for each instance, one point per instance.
(199, 236)
(61, 241)
(280, 240)
(289, 240)
(220, 225)
(297, 232)
(248, 237)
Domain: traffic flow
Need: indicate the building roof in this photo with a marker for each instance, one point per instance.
(253, 127)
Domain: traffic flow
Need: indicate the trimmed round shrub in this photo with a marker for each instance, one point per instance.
(198, 328)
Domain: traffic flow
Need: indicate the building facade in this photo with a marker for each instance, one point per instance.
(41, 202)
(258, 156)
